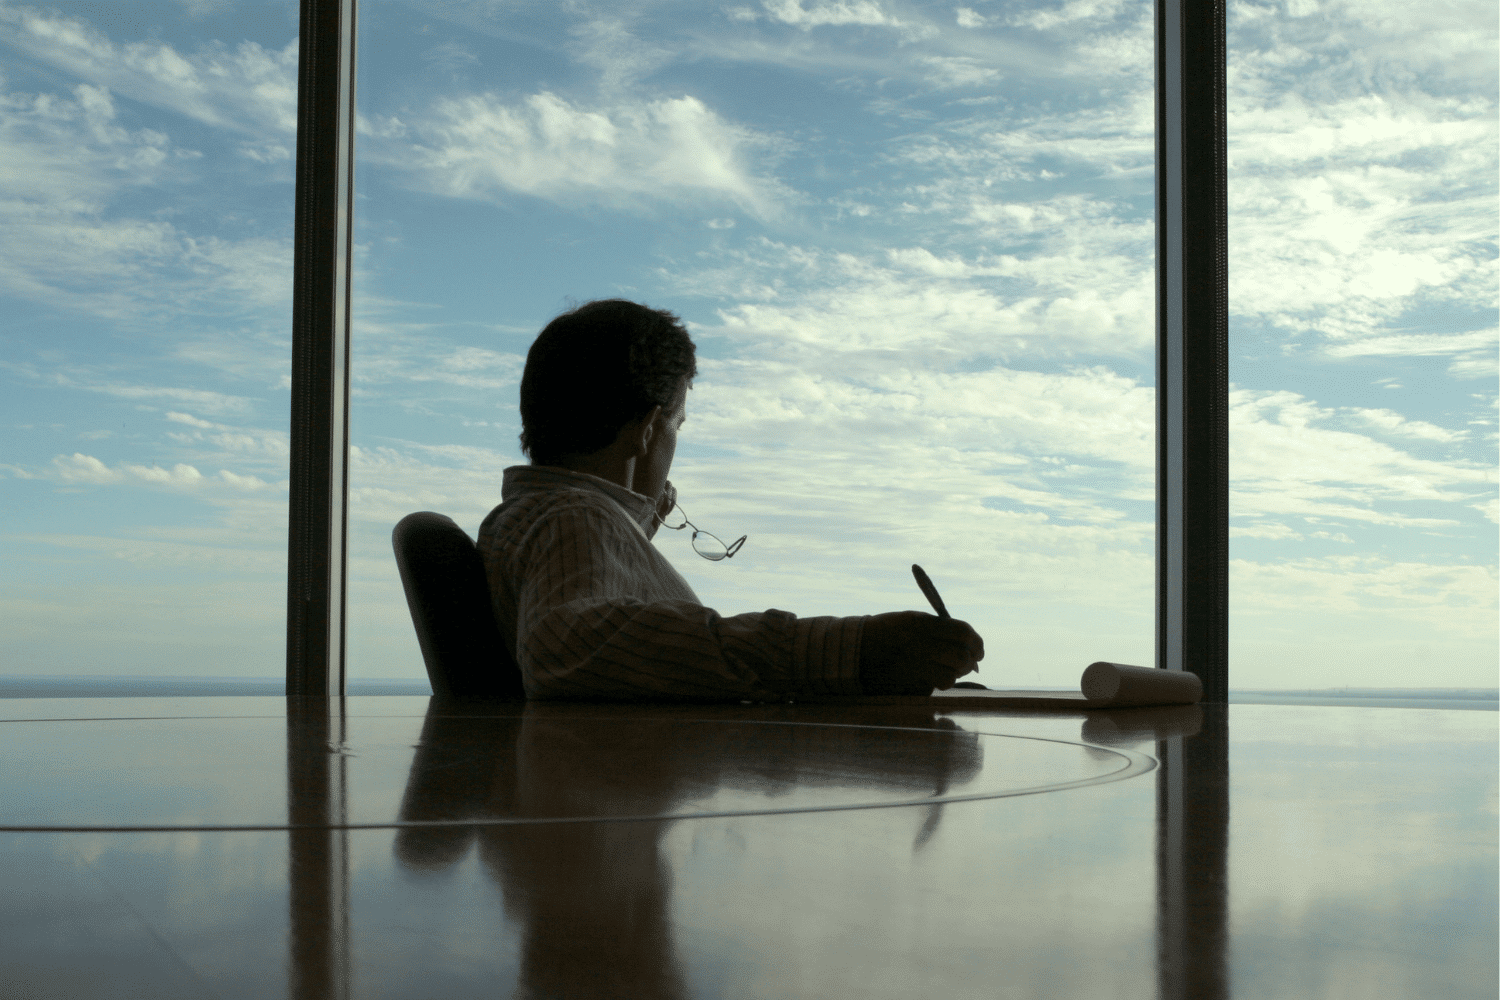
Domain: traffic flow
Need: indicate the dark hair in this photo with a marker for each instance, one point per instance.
(596, 368)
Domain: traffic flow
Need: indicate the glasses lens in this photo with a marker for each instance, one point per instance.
(708, 546)
(675, 519)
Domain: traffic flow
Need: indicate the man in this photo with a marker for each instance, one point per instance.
(591, 609)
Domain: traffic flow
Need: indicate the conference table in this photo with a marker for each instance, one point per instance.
(418, 848)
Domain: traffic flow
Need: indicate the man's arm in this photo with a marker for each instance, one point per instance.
(601, 615)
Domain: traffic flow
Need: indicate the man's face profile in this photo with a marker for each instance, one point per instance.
(653, 467)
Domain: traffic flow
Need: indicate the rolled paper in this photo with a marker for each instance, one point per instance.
(1122, 684)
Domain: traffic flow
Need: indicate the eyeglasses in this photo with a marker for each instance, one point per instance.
(706, 545)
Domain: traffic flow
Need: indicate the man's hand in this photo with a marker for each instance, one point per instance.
(667, 502)
(912, 652)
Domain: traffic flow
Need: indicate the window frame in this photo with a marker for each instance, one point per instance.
(318, 487)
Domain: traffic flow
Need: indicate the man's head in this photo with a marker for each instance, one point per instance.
(597, 368)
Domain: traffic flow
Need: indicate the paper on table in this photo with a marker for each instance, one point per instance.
(1103, 685)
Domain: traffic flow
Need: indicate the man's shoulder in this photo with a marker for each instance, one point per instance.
(522, 515)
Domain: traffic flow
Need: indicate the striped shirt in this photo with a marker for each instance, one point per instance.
(592, 610)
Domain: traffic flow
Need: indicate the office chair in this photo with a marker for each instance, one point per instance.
(449, 600)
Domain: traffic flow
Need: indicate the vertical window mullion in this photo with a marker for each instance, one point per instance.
(319, 478)
(1192, 316)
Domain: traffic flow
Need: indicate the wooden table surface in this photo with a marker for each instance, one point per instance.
(229, 847)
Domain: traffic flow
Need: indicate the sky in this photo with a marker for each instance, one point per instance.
(914, 246)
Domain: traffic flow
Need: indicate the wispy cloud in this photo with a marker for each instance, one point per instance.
(638, 154)
(1391, 422)
(821, 12)
(203, 399)
(81, 469)
(67, 164)
(1046, 16)
(788, 298)
(1362, 178)
(1287, 461)
(1368, 585)
(247, 88)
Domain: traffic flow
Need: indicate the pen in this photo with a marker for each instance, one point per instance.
(930, 591)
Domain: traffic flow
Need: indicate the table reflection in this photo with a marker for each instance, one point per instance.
(318, 848)
(592, 897)
(574, 845)
(1192, 861)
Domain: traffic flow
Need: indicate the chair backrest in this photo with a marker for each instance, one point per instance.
(449, 600)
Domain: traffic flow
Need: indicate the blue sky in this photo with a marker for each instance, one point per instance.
(913, 243)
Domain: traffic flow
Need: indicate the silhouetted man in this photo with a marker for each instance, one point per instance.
(592, 609)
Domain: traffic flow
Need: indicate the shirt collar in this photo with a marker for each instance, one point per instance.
(522, 479)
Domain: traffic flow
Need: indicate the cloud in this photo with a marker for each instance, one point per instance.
(205, 441)
(1478, 365)
(398, 357)
(68, 156)
(634, 154)
(262, 357)
(804, 298)
(957, 71)
(80, 468)
(203, 399)
(86, 470)
(246, 483)
(1362, 166)
(1415, 344)
(1265, 529)
(192, 421)
(1283, 462)
(1391, 422)
(1365, 583)
(1046, 18)
(605, 41)
(828, 12)
(1089, 415)
(202, 8)
(249, 88)
(66, 166)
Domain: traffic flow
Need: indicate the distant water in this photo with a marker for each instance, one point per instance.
(85, 686)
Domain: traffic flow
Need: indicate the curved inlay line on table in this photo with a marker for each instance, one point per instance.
(1132, 764)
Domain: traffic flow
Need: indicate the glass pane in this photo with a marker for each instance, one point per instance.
(913, 243)
(1362, 143)
(145, 285)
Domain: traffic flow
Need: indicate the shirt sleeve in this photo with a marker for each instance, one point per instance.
(601, 615)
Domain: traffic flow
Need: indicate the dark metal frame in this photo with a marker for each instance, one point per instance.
(1192, 344)
(1192, 468)
(317, 533)
(1192, 492)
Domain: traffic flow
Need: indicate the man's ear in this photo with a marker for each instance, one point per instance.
(647, 430)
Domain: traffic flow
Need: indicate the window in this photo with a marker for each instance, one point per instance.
(914, 244)
(145, 280)
(1362, 248)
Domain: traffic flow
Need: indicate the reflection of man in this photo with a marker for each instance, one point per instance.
(591, 900)
(591, 608)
